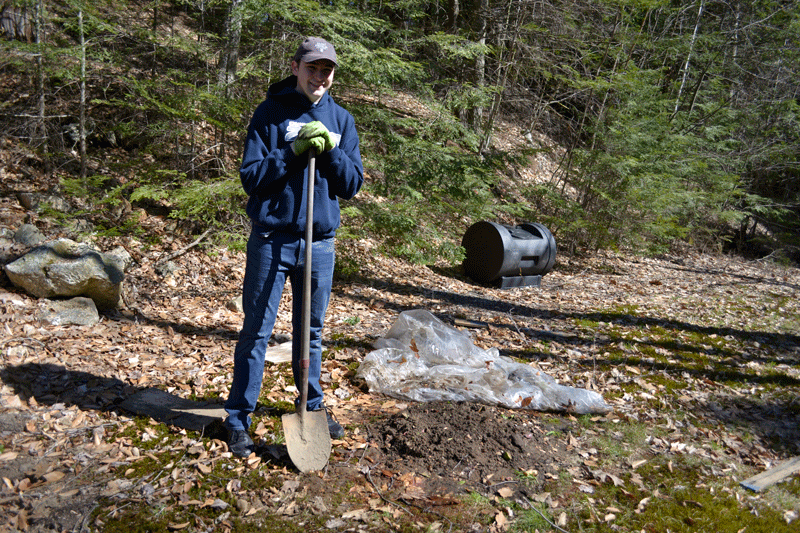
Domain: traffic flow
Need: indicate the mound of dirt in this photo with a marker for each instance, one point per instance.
(473, 446)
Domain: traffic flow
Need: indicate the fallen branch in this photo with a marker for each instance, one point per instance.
(368, 474)
(185, 249)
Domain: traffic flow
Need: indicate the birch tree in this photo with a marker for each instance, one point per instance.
(39, 38)
(688, 59)
(82, 105)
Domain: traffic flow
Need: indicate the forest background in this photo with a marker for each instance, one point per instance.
(669, 122)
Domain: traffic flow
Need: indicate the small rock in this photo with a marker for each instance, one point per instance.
(124, 256)
(235, 305)
(29, 235)
(219, 504)
(75, 311)
(32, 201)
(318, 505)
(147, 490)
(166, 269)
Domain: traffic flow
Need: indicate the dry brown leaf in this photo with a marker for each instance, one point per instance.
(637, 464)
(8, 456)
(53, 476)
(78, 420)
(234, 485)
(442, 500)
(357, 514)
(571, 440)
(413, 487)
(196, 449)
(505, 492)
(22, 520)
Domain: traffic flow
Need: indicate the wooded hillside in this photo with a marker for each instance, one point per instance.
(662, 121)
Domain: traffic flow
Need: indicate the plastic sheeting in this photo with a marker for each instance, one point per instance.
(423, 359)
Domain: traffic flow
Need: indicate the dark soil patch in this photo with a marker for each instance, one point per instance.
(474, 447)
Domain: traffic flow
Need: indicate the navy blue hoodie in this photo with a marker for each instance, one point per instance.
(275, 178)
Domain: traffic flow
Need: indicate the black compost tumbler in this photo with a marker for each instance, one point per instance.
(508, 256)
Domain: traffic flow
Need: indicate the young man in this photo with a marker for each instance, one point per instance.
(298, 115)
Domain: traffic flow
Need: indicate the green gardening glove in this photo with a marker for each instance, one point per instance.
(317, 129)
(300, 146)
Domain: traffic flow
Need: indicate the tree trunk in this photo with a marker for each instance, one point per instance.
(480, 66)
(82, 111)
(41, 128)
(155, 41)
(228, 59)
(229, 55)
(454, 11)
(688, 59)
(505, 67)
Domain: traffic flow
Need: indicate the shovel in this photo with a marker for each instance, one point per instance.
(307, 437)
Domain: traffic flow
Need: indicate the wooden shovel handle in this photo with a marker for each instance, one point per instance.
(306, 333)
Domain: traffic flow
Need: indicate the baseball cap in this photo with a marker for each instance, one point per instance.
(314, 49)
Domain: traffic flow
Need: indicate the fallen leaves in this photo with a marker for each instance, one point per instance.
(64, 382)
(413, 486)
(605, 477)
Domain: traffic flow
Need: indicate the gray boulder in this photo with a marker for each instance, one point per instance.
(64, 268)
(78, 311)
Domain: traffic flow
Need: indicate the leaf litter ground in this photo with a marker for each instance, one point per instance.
(698, 355)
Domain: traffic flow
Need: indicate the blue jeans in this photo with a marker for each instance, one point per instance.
(270, 260)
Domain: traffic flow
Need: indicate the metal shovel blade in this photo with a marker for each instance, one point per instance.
(307, 439)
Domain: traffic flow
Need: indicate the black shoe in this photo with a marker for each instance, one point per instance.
(334, 428)
(240, 444)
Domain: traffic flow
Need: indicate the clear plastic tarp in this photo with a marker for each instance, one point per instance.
(423, 359)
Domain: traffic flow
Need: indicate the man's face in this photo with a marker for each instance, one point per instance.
(314, 78)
